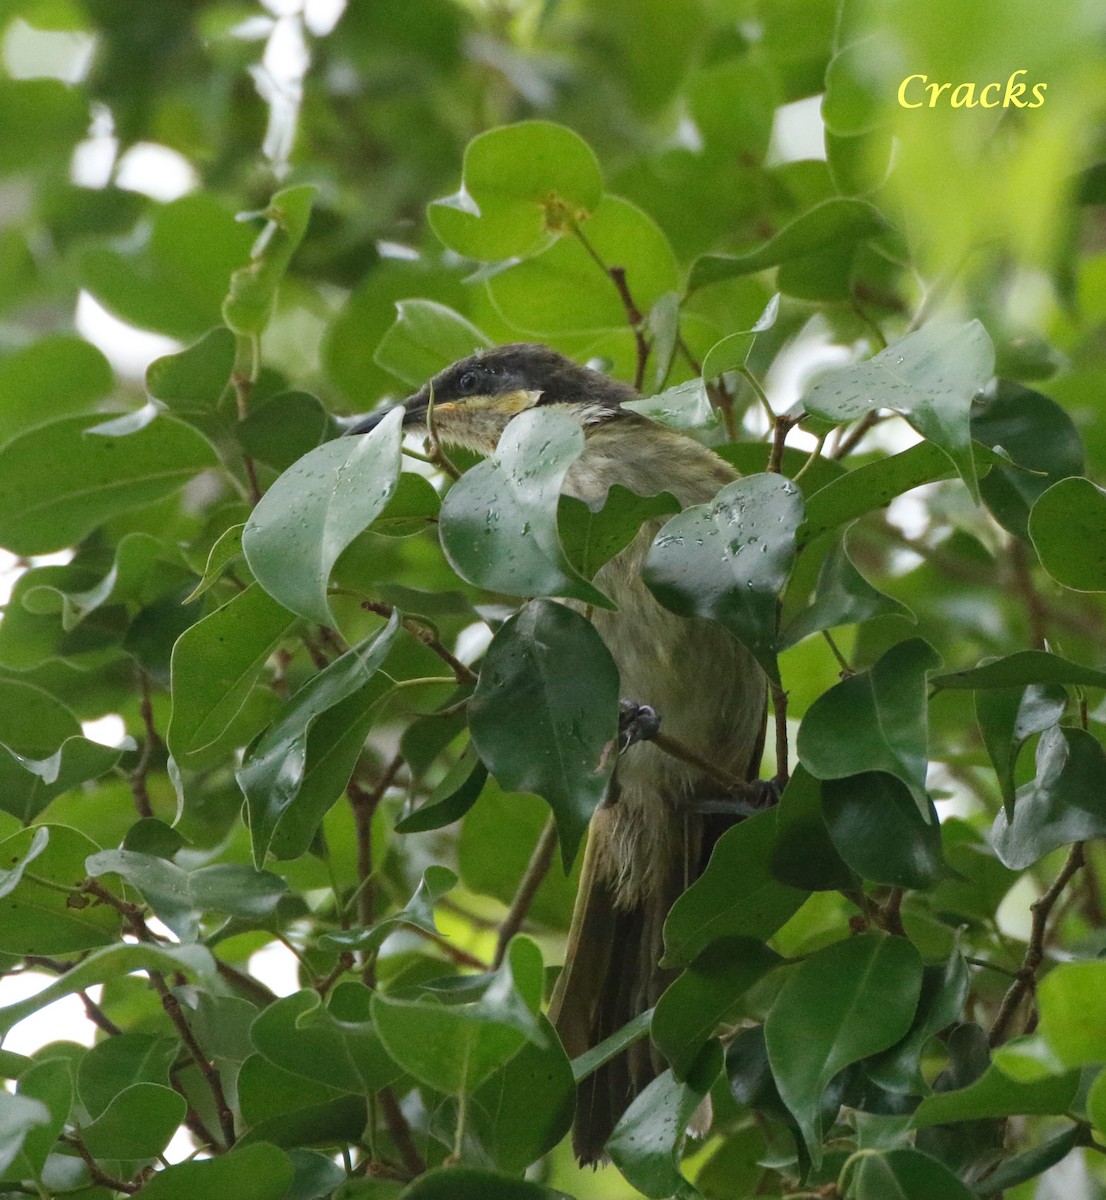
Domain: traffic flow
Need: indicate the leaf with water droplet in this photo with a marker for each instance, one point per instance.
(727, 579)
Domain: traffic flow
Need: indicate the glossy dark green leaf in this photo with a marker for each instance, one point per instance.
(259, 1172)
(50, 1082)
(1033, 1162)
(137, 1124)
(591, 1060)
(498, 522)
(519, 182)
(336, 1044)
(544, 716)
(418, 911)
(940, 1004)
(253, 288)
(997, 1095)
(53, 377)
(215, 665)
(591, 538)
(451, 798)
(876, 827)
(425, 337)
(302, 524)
(842, 597)
(835, 222)
(1068, 528)
(473, 1183)
(684, 406)
(274, 767)
(563, 290)
(872, 486)
(194, 379)
(874, 721)
(454, 1040)
(905, 1175)
(1008, 718)
(930, 377)
(116, 1063)
(29, 784)
(843, 1003)
(284, 428)
(646, 1142)
(1066, 802)
(730, 560)
(413, 507)
(691, 1008)
(181, 897)
(44, 509)
(803, 855)
(736, 896)
(1037, 435)
(1022, 669)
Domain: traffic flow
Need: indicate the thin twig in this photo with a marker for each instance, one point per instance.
(536, 870)
(842, 661)
(779, 711)
(1026, 979)
(418, 630)
(634, 318)
(242, 386)
(364, 803)
(247, 984)
(850, 441)
(433, 447)
(867, 320)
(761, 395)
(98, 1176)
(781, 429)
(1035, 610)
(815, 455)
(138, 776)
(740, 788)
(401, 1132)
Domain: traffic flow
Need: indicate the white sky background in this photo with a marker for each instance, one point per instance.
(163, 174)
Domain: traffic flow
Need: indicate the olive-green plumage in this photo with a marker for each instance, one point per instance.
(647, 842)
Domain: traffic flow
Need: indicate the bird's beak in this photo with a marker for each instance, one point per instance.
(414, 413)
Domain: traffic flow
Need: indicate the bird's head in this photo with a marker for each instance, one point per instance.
(475, 398)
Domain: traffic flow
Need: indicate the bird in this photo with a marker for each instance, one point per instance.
(651, 836)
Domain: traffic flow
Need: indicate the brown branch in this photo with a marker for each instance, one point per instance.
(421, 633)
(455, 953)
(344, 964)
(138, 776)
(779, 712)
(536, 870)
(634, 318)
(99, 1177)
(254, 989)
(401, 1132)
(193, 1122)
(782, 426)
(1035, 609)
(1026, 979)
(242, 386)
(734, 784)
(855, 435)
(364, 803)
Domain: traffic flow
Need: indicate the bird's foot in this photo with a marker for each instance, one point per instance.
(636, 723)
(763, 794)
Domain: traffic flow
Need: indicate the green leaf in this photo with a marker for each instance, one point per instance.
(1035, 1161)
(593, 537)
(418, 911)
(544, 716)
(54, 377)
(1068, 528)
(1037, 435)
(40, 120)
(120, 1061)
(284, 428)
(736, 896)
(929, 377)
(414, 505)
(194, 379)
(875, 825)
(227, 547)
(138, 1123)
(274, 767)
(843, 1003)
(215, 665)
(20, 1116)
(336, 1044)
(729, 560)
(843, 597)
(42, 509)
(1022, 669)
(253, 288)
(302, 524)
(732, 352)
(498, 522)
(453, 1038)
(1066, 802)
(646, 1142)
(519, 184)
(1008, 718)
(905, 1175)
(835, 223)
(39, 781)
(591, 1060)
(1072, 1018)
(425, 337)
(997, 1095)
(870, 487)
(50, 1082)
(874, 721)
(473, 1183)
(107, 963)
(803, 855)
(855, 100)
(691, 1008)
(684, 406)
(181, 897)
(451, 798)
(38, 917)
(563, 290)
(258, 1172)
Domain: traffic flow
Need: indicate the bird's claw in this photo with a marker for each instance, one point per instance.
(764, 794)
(636, 723)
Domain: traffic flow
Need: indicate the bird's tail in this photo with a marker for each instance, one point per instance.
(611, 974)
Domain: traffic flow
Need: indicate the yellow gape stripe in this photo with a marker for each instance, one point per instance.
(502, 402)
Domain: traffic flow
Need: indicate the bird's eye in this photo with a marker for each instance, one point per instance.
(468, 381)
